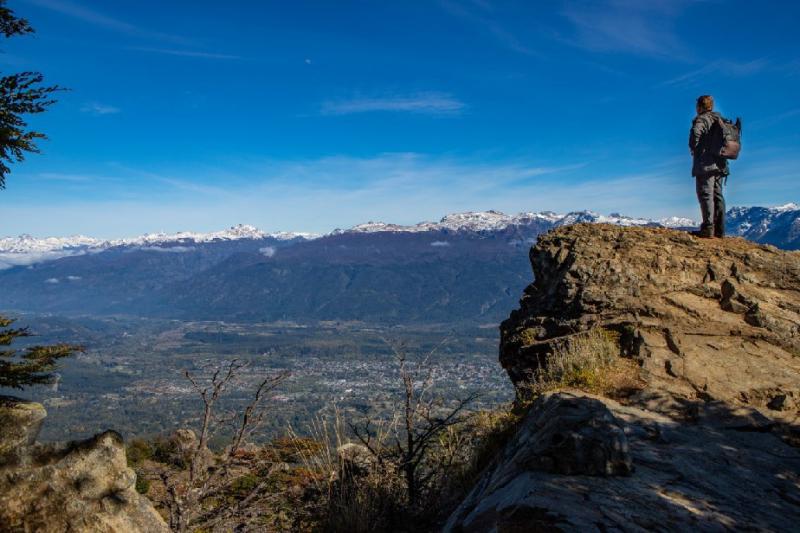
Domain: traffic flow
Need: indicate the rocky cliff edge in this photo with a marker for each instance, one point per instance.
(77, 486)
(707, 440)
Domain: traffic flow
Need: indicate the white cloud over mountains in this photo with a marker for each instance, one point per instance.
(342, 191)
(321, 194)
(429, 103)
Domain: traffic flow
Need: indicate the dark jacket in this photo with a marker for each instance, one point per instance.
(701, 142)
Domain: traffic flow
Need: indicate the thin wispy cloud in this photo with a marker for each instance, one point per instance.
(791, 68)
(55, 176)
(278, 195)
(430, 103)
(75, 183)
(481, 14)
(97, 109)
(770, 121)
(194, 187)
(778, 178)
(403, 188)
(96, 18)
(630, 26)
(184, 53)
(722, 67)
(406, 171)
(509, 40)
(176, 184)
(486, 5)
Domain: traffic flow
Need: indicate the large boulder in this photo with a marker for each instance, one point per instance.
(78, 486)
(20, 422)
(636, 471)
(354, 461)
(182, 445)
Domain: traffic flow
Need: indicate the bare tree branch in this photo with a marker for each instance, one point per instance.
(185, 499)
(423, 418)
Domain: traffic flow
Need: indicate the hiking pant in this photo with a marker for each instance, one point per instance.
(712, 204)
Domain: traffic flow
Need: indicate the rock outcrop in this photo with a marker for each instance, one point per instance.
(20, 423)
(78, 486)
(710, 439)
(707, 319)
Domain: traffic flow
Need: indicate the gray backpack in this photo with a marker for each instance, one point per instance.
(727, 138)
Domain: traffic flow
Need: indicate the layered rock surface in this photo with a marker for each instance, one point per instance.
(709, 441)
(706, 319)
(77, 486)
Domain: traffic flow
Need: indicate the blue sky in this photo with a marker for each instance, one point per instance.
(314, 115)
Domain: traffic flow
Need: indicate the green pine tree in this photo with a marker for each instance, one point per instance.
(31, 366)
(22, 94)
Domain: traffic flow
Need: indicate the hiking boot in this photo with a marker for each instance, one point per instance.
(705, 232)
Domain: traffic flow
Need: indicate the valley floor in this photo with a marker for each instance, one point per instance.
(130, 378)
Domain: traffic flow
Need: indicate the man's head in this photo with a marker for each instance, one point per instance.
(705, 103)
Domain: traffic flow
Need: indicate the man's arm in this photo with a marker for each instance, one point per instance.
(700, 127)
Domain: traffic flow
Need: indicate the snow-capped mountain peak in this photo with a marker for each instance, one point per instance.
(27, 243)
(750, 222)
(476, 221)
(677, 222)
(240, 231)
(26, 250)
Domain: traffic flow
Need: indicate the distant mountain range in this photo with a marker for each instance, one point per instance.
(468, 266)
(27, 250)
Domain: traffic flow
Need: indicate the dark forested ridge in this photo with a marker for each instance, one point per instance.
(391, 276)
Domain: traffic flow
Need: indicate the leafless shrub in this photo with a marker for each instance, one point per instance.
(358, 494)
(403, 460)
(422, 416)
(465, 450)
(208, 477)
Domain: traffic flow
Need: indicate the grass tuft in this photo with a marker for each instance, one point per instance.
(590, 362)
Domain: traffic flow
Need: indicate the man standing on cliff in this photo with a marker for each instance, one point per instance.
(709, 170)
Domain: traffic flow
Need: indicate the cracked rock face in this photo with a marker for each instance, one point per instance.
(711, 440)
(705, 318)
(711, 476)
(78, 486)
